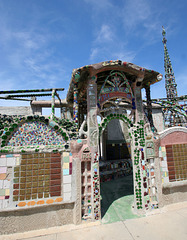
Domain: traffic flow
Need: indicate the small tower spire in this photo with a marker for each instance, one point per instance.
(170, 84)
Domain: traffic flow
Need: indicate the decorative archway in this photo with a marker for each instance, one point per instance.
(136, 134)
(142, 150)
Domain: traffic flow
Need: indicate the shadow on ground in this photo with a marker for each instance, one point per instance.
(117, 199)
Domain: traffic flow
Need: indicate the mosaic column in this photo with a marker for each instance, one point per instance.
(138, 149)
(139, 108)
(81, 115)
(92, 112)
(93, 135)
(149, 107)
(139, 113)
(75, 103)
(138, 159)
(53, 103)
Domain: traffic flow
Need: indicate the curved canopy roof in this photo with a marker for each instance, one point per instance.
(81, 75)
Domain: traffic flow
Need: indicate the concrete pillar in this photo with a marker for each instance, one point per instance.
(36, 110)
(76, 181)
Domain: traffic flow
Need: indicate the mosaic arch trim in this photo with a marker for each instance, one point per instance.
(118, 86)
(171, 130)
(145, 190)
(111, 116)
(24, 132)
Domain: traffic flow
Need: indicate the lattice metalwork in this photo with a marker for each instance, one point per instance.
(174, 111)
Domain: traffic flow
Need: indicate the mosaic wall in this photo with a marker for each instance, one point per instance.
(176, 167)
(35, 176)
(35, 179)
(38, 176)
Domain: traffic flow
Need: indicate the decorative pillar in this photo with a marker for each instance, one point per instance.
(92, 113)
(139, 113)
(138, 150)
(63, 112)
(53, 103)
(81, 115)
(75, 104)
(75, 147)
(149, 107)
(93, 142)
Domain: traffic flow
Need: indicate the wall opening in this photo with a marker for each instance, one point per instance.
(116, 172)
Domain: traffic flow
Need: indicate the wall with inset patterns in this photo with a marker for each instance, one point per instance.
(173, 155)
(36, 170)
(29, 180)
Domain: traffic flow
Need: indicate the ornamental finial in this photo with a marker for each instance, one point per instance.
(164, 34)
(163, 31)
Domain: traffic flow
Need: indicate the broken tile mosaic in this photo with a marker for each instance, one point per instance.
(35, 133)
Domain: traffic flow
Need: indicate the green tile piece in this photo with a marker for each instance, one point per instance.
(2, 192)
(66, 159)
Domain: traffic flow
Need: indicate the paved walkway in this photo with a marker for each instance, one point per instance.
(169, 223)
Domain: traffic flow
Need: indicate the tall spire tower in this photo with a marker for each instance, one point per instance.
(174, 113)
(170, 84)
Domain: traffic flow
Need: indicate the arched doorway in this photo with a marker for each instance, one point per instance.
(116, 168)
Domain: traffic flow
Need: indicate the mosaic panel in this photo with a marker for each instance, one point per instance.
(7, 163)
(139, 149)
(177, 161)
(149, 184)
(38, 176)
(115, 85)
(86, 191)
(96, 189)
(29, 133)
(75, 104)
(67, 175)
(164, 164)
(35, 133)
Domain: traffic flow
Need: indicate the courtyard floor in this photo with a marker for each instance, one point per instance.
(117, 200)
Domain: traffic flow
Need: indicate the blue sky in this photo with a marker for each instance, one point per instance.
(42, 41)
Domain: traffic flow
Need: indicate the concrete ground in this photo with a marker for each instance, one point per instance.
(168, 223)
